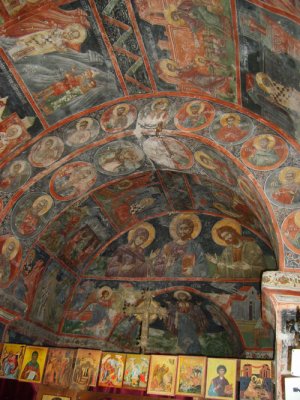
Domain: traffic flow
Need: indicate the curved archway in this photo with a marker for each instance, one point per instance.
(108, 122)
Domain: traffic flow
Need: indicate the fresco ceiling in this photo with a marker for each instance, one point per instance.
(149, 161)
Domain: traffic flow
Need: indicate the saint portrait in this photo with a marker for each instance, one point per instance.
(12, 133)
(72, 180)
(276, 100)
(264, 152)
(14, 175)
(183, 256)
(215, 165)
(33, 364)
(112, 370)
(241, 257)
(94, 316)
(194, 116)
(46, 151)
(81, 132)
(118, 118)
(59, 367)
(31, 213)
(86, 369)
(129, 260)
(290, 231)
(283, 187)
(46, 41)
(154, 114)
(221, 378)
(10, 259)
(11, 360)
(187, 321)
(65, 30)
(231, 128)
(168, 152)
(119, 158)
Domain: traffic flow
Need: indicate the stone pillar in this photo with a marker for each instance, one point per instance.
(280, 299)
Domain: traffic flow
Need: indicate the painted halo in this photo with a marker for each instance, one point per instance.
(118, 118)
(240, 130)
(72, 180)
(194, 116)
(31, 213)
(146, 226)
(10, 179)
(181, 217)
(283, 187)
(9, 265)
(224, 223)
(46, 151)
(177, 294)
(264, 152)
(81, 132)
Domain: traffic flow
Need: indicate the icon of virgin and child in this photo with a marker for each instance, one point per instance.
(182, 256)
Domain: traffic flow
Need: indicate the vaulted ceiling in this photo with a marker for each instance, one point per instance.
(149, 161)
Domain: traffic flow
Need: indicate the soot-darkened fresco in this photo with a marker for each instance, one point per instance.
(149, 171)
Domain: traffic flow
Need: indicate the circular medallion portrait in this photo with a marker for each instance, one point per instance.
(46, 151)
(264, 152)
(168, 152)
(290, 230)
(194, 116)
(154, 114)
(215, 165)
(10, 258)
(118, 118)
(12, 133)
(30, 214)
(283, 187)
(14, 175)
(72, 180)
(81, 132)
(231, 128)
(119, 158)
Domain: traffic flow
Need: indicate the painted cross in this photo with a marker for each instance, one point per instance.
(146, 311)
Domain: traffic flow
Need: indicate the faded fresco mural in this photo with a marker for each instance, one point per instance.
(269, 50)
(149, 166)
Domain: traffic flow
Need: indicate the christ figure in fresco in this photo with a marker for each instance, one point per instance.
(183, 256)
